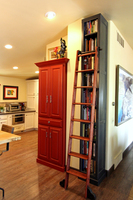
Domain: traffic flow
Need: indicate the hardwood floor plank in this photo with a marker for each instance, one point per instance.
(25, 179)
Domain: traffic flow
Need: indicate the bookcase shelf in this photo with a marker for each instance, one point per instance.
(94, 33)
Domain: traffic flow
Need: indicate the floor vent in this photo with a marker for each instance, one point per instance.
(120, 40)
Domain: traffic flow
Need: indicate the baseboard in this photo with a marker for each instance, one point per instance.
(109, 172)
(127, 150)
(117, 159)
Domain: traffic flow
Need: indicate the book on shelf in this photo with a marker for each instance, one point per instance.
(85, 62)
(85, 113)
(89, 62)
(83, 130)
(93, 167)
(92, 62)
(91, 26)
(87, 96)
(94, 149)
(90, 44)
(90, 79)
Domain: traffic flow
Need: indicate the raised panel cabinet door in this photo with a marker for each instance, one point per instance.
(55, 145)
(44, 89)
(29, 120)
(31, 102)
(56, 92)
(43, 142)
(31, 88)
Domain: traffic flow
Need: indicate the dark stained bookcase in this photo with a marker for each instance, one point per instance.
(94, 33)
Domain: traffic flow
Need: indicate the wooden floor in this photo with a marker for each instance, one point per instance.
(24, 179)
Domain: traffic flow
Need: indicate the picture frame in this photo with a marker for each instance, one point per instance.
(124, 96)
(10, 92)
(51, 54)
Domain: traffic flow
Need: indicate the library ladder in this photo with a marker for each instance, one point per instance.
(64, 183)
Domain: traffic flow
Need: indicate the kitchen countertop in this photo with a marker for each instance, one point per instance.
(20, 111)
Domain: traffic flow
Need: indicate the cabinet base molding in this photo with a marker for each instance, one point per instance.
(54, 166)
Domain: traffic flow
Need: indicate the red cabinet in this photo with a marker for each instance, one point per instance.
(50, 144)
(50, 83)
(52, 113)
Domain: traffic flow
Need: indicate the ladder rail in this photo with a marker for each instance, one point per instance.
(92, 124)
(71, 122)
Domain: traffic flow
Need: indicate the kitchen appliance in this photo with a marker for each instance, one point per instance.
(13, 107)
(22, 106)
(18, 119)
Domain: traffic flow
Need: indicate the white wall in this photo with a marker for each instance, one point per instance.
(117, 138)
(74, 44)
(21, 83)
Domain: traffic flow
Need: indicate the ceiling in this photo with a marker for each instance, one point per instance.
(24, 26)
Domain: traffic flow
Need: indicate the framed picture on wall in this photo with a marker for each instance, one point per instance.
(124, 96)
(10, 92)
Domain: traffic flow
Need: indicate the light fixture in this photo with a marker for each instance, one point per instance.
(15, 67)
(50, 15)
(8, 46)
(37, 72)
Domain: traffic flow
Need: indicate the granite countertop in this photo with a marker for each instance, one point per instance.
(20, 111)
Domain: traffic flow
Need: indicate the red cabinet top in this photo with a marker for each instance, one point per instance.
(52, 62)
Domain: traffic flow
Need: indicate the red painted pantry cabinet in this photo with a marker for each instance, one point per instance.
(52, 113)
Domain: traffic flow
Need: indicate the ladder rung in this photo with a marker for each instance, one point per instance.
(79, 137)
(77, 173)
(87, 54)
(87, 87)
(85, 70)
(81, 120)
(78, 155)
(86, 104)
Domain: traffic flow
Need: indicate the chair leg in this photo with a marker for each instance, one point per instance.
(3, 191)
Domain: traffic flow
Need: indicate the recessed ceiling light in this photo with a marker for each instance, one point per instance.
(8, 46)
(37, 72)
(15, 67)
(50, 15)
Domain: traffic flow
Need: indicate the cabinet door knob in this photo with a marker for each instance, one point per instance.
(48, 122)
(46, 134)
(50, 135)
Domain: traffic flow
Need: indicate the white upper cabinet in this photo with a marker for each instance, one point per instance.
(32, 87)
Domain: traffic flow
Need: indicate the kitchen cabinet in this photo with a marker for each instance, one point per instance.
(32, 98)
(3, 120)
(9, 120)
(32, 87)
(29, 120)
(50, 102)
(51, 139)
(18, 128)
(52, 113)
